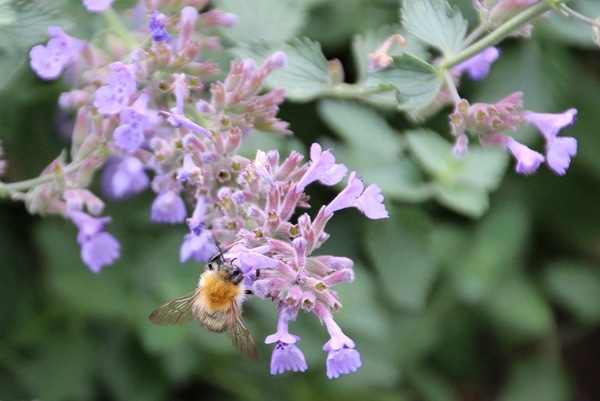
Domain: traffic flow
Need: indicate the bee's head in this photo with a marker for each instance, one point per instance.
(231, 272)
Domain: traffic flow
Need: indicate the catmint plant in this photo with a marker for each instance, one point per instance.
(150, 114)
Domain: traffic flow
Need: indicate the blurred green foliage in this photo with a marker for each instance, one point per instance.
(457, 296)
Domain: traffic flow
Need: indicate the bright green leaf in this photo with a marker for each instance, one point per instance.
(270, 20)
(306, 74)
(415, 81)
(435, 22)
(401, 250)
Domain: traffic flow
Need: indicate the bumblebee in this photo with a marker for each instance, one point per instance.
(216, 304)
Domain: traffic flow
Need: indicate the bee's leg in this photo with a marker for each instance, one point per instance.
(257, 274)
(249, 292)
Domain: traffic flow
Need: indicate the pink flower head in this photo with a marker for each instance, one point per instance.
(478, 66)
(322, 168)
(61, 51)
(98, 248)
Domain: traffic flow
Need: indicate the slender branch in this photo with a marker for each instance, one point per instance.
(7, 190)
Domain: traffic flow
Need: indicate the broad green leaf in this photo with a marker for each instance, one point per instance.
(306, 74)
(478, 263)
(462, 183)
(401, 250)
(435, 22)
(519, 310)
(271, 20)
(576, 287)
(540, 378)
(415, 81)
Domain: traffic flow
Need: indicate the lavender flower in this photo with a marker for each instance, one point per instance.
(168, 207)
(98, 248)
(124, 177)
(134, 121)
(478, 66)
(342, 358)
(157, 27)
(114, 97)
(97, 6)
(528, 161)
(286, 355)
(61, 51)
(369, 201)
(322, 168)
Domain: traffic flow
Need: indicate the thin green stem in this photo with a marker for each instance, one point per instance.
(116, 25)
(7, 190)
(451, 86)
(498, 34)
(580, 17)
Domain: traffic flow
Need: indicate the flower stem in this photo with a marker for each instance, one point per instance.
(12, 188)
(498, 34)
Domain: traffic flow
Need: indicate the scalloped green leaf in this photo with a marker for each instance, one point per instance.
(400, 248)
(435, 22)
(415, 81)
(306, 74)
(271, 20)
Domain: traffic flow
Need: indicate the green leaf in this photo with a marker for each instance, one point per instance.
(435, 22)
(270, 20)
(576, 287)
(373, 149)
(306, 74)
(462, 183)
(400, 247)
(415, 81)
(519, 309)
(537, 379)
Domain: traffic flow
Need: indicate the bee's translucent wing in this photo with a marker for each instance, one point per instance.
(240, 336)
(178, 311)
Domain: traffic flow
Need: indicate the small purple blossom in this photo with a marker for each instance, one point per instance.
(559, 150)
(124, 177)
(369, 201)
(129, 136)
(97, 6)
(62, 50)
(168, 207)
(286, 355)
(478, 66)
(528, 161)
(157, 27)
(322, 168)
(98, 248)
(342, 357)
(199, 247)
(114, 97)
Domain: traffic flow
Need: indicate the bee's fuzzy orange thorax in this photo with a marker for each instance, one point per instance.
(218, 293)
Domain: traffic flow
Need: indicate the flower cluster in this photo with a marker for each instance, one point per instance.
(154, 120)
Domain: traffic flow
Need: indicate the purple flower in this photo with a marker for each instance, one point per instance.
(478, 66)
(96, 6)
(157, 27)
(199, 247)
(176, 119)
(61, 51)
(559, 150)
(528, 161)
(124, 177)
(168, 207)
(369, 201)
(129, 135)
(114, 97)
(98, 248)
(342, 357)
(322, 168)
(286, 355)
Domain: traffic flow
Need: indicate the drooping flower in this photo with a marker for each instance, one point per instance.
(98, 248)
(369, 201)
(124, 177)
(478, 66)
(559, 150)
(322, 168)
(168, 207)
(286, 355)
(342, 358)
(528, 161)
(62, 50)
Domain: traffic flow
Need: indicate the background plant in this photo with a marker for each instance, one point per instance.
(482, 283)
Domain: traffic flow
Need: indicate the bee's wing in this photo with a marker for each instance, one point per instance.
(240, 336)
(178, 311)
